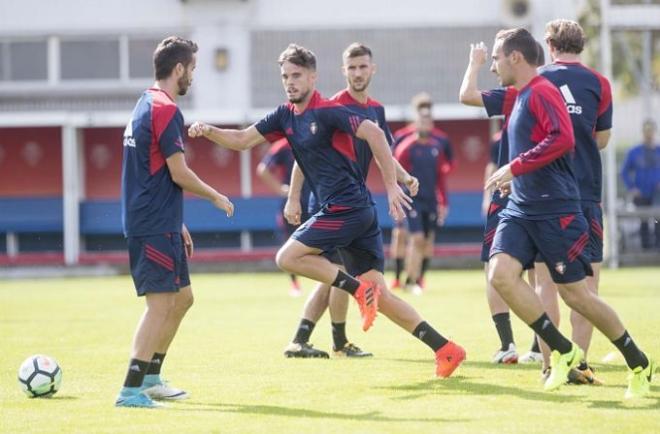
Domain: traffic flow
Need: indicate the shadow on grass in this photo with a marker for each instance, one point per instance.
(519, 366)
(652, 403)
(274, 410)
(465, 385)
(62, 398)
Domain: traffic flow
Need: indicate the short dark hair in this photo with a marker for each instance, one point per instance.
(520, 40)
(170, 52)
(357, 49)
(299, 56)
(540, 55)
(565, 35)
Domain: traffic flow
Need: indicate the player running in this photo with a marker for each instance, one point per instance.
(154, 175)
(347, 220)
(358, 68)
(497, 102)
(544, 217)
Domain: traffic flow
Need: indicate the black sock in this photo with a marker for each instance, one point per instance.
(399, 268)
(427, 334)
(549, 333)
(408, 280)
(425, 266)
(305, 329)
(135, 374)
(503, 326)
(294, 279)
(339, 335)
(633, 355)
(535, 344)
(346, 282)
(156, 363)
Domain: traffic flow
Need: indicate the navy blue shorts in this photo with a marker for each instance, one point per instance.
(354, 232)
(420, 219)
(593, 213)
(560, 241)
(492, 220)
(158, 263)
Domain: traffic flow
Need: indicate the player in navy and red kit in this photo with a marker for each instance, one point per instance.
(154, 175)
(497, 102)
(588, 98)
(358, 68)
(543, 216)
(422, 154)
(347, 219)
(275, 170)
(423, 107)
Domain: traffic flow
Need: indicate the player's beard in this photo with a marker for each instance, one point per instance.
(361, 87)
(183, 84)
(301, 98)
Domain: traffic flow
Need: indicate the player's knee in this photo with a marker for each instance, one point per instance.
(284, 260)
(500, 278)
(185, 302)
(575, 296)
(162, 306)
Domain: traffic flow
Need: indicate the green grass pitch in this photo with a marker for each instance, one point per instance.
(228, 355)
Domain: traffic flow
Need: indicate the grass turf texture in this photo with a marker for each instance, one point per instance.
(228, 355)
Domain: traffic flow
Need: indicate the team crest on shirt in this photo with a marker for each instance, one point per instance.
(313, 127)
(560, 267)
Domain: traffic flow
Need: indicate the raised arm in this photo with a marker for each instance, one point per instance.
(238, 140)
(470, 93)
(375, 137)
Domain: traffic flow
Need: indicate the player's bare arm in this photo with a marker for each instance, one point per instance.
(292, 208)
(406, 178)
(485, 203)
(237, 140)
(470, 93)
(375, 137)
(271, 180)
(500, 178)
(187, 241)
(603, 138)
(189, 181)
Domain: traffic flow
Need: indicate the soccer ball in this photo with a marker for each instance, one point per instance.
(39, 376)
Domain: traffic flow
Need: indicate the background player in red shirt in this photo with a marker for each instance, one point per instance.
(422, 105)
(422, 154)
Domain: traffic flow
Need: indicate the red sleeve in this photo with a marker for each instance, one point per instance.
(402, 153)
(440, 180)
(553, 131)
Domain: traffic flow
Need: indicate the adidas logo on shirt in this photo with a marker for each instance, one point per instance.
(571, 104)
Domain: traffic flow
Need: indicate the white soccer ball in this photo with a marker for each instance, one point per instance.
(39, 376)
